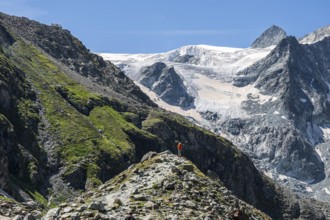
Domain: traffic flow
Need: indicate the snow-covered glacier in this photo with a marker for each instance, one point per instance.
(207, 73)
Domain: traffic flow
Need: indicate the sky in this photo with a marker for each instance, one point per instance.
(153, 26)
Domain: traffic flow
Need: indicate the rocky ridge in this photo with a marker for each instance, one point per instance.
(315, 36)
(162, 186)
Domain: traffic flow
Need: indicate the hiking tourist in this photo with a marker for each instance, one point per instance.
(179, 149)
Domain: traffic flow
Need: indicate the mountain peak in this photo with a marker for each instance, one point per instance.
(317, 35)
(269, 37)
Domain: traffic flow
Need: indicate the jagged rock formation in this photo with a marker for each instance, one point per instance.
(166, 83)
(301, 98)
(163, 186)
(72, 121)
(272, 36)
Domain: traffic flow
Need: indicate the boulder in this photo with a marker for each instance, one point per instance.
(148, 156)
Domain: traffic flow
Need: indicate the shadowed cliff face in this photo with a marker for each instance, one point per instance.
(5, 147)
(19, 119)
(71, 121)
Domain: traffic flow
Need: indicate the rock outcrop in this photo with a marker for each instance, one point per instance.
(11, 209)
(166, 83)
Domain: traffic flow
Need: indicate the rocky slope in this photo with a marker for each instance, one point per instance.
(71, 121)
(162, 186)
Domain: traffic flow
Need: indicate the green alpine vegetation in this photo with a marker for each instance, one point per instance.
(80, 137)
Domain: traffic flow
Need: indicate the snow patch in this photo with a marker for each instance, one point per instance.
(319, 154)
(326, 132)
(308, 189)
(269, 174)
(326, 190)
(282, 177)
(276, 113)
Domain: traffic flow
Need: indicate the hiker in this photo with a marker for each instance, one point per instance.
(130, 217)
(179, 149)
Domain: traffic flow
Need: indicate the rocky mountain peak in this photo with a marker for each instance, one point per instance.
(289, 41)
(166, 83)
(285, 74)
(277, 60)
(271, 36)
(161, 186)
(315, 36)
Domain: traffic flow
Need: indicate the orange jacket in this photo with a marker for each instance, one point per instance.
(179, 146)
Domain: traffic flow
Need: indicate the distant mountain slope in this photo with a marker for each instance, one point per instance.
(71, 121)
(272, 102)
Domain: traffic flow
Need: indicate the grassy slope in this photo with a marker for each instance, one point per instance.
(80, 136)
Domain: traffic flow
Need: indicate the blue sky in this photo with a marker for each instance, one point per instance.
(148, 26)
